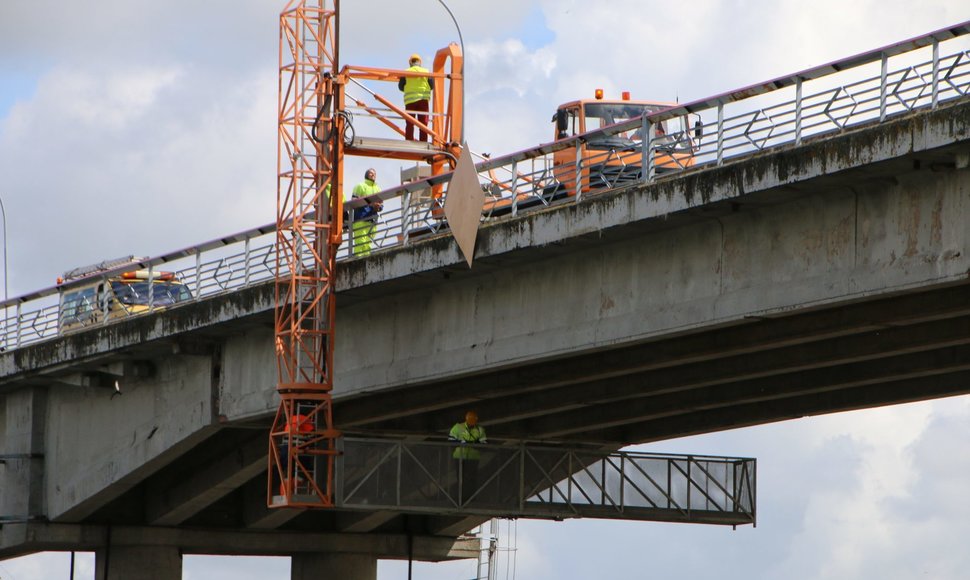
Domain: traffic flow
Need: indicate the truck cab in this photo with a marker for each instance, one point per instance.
(611, 161)
(127, 294)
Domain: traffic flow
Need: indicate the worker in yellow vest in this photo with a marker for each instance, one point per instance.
(365, 218)
(467, 434)
(417, 97)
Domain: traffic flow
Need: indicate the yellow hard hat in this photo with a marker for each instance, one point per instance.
(471, 418)
(414, 57)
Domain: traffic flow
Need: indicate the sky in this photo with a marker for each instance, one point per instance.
(140, 127)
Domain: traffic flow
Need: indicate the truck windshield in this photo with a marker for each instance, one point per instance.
(603, 114)
(136, 293)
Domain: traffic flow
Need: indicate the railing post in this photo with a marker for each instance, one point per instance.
(338, 473)
(405, 216)
(198, 273)
(669, 492)
(515, 185)
(798, 111)
(461, 477)
(720, 133)
(522, 477)
(578, 185)
(752, 488)
(246, 263)
(60, 310)
(151, 287)
(883, 88)
(644, 149)
(738, 472)
(350, 237)
(105, 307)
(622, 480)
(650, 167)
(397, 475)
(936, 71)
(569, 480)
(19, 330)
(603, 490)
(690, 460)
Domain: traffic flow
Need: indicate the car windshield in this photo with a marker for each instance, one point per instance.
(164, 293)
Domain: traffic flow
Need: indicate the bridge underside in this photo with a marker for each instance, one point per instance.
(909, 346)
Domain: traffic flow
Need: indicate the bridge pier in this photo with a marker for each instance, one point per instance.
(138, 563)
(22, 420)
(333, 565)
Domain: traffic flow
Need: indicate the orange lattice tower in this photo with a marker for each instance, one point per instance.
(303, 439)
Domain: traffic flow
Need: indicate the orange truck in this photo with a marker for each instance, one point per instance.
(606, 161)
(614, 160)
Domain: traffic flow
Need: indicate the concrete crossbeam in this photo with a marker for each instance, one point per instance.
(454, 526)
(18, 539)
(364, 522)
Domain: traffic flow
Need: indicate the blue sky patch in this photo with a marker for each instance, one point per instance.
(534, 33)
(15, 85)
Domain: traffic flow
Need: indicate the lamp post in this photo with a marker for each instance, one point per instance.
(461, 128)
(3, 214)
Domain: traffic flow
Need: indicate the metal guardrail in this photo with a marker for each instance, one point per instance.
(526, 480)
(871, 87)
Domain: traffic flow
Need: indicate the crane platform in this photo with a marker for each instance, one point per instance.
(393, 148)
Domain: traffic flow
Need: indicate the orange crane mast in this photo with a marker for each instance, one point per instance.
(315, 132)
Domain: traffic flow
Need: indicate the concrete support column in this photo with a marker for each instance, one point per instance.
(22, 450)
(343, 566)
(138, 563)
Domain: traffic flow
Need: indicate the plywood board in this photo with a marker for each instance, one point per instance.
(463, 205)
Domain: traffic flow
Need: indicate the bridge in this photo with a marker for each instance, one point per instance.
(813, 260)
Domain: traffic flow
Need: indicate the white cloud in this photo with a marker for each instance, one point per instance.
(507, 65)
(104, 102)
(140, 162)
(862, 526)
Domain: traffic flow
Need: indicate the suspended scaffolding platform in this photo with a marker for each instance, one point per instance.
(533, 481)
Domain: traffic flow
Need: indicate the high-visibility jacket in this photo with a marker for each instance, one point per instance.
(416, 88)
(299, 425)
(364, 189)
(347, 219)
(462, 433)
